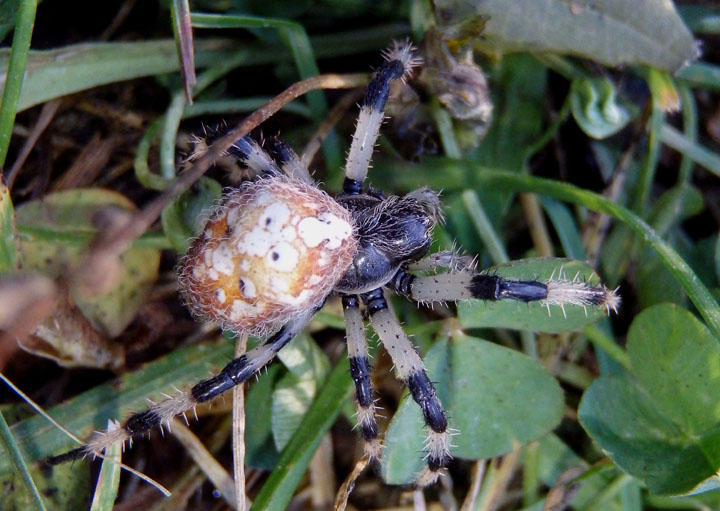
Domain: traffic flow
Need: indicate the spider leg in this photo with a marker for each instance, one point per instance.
(463, 285)
(250, 154)
(410, 369)
(444, 259)
(234, 373)
(288, 160)
(360, 372)
(398, 65)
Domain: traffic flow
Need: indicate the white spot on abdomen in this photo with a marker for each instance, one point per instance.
(247, 287)
(282, 257)
(274, 217)
(325, 227)
(222, 259)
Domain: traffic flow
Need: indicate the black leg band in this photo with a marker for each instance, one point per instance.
(402, 283)
(374, 301)
(492, 287)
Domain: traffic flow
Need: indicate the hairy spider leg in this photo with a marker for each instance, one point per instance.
(288, 160)
(360, 372)
(398, 65)
(254, 157)
(466, 284)
(410, 369)
(234, 373)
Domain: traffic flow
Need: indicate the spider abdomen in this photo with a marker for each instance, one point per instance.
(273, 249)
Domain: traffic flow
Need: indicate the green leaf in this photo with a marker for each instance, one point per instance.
(260, 451)
(496, 397)
(76, 210)
(661, 423)
(595, 108)
(535, 315)
(185, 217)
(612, 32)
(8, 248)
(295, 391)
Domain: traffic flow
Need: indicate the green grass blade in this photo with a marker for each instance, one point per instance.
(565, 228)
(701, 75)
(13, 453)
(484, 227)
(73, 68)
(280, 486)
(109, 480)
(691, 149)
(15, 72)
(8, 248)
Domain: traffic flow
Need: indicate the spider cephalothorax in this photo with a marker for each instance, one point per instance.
(275, 248)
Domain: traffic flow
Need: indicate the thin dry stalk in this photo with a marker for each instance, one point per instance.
(47, 114)
(536, 222)
(478, 472)
(238, 432)
(322, 475)
(346, 488)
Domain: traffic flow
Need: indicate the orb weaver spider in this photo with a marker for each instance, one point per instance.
(277, 247)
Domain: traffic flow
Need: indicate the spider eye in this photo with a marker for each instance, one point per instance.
(273, 249)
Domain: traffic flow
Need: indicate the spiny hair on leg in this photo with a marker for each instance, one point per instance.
(404, 52)
(563, 292)
(143, 422)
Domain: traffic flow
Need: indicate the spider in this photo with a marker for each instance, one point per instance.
(277, 247)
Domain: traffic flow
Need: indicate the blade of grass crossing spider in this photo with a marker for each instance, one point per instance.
(8, 248)
(14, 455)
(297, 41)
(280, 486)
(108, 482)
(38, 439)
(15, 72)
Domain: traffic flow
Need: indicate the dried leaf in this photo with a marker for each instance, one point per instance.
(612, 32)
